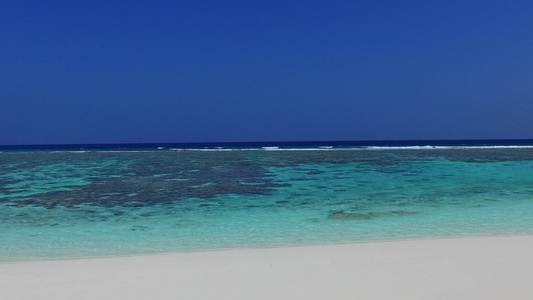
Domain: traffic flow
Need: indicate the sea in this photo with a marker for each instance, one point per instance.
(83, 201)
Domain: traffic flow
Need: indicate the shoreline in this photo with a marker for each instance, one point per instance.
(488, 267)
(141, 254)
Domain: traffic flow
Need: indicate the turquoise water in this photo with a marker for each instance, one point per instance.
(96, 203)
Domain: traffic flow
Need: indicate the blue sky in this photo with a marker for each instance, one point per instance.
(213, 71)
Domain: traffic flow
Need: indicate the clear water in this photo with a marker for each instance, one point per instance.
(61, 204)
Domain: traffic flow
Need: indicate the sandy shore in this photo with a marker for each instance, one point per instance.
(458, 268)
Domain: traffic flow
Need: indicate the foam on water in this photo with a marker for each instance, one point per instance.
(283, 147)
(96, 203)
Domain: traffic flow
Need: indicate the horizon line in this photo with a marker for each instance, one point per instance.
(266, 142)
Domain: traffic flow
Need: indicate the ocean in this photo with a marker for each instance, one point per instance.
(78, 201)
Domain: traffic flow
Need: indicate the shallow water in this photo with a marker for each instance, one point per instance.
(58, 204)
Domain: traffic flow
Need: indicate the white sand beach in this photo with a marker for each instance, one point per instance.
(499, 267)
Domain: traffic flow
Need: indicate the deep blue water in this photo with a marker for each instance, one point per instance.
(281, 144)
(60, 201)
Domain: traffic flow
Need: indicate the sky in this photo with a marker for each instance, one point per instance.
(239, 71)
